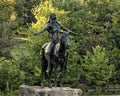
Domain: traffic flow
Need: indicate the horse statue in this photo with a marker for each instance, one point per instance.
(59, 57)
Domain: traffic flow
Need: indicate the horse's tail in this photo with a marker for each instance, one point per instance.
(44, 61)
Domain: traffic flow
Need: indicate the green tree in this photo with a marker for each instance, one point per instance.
(23, 9)
(95, 66)
(7, 23)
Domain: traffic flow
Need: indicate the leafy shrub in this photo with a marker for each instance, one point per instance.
(10, 75)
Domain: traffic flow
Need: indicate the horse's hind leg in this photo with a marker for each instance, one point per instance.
(43, 67)
(61, 75)
(48, 78)
(42, 80)
(42, 72)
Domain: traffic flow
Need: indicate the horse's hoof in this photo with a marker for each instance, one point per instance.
(55, 86)
(50, 86)
(42, 85)
(61, 86)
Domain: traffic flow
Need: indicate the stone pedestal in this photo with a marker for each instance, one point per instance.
(25, 90)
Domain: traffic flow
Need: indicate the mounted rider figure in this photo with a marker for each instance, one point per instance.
(54, 29)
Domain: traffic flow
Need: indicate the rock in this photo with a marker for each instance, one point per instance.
(25, 90)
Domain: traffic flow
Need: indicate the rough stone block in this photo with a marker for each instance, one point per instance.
(25, 90)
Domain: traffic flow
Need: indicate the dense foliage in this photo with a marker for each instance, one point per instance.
(95, 53)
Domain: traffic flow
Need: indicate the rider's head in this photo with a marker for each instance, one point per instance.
(52, 17)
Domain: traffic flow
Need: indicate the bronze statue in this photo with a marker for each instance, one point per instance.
(56, 51)
(54, 28)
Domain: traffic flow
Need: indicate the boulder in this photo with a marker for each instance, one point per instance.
(25, 90)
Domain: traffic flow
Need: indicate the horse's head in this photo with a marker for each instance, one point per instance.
(65, 40)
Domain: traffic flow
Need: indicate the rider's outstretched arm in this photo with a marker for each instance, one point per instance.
(43, 30)
(73, 33)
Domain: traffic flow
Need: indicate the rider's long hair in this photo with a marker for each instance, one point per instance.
(53, 15)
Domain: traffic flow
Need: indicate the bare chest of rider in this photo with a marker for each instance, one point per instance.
(54, 28)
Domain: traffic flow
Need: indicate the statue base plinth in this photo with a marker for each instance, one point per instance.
(25, 90)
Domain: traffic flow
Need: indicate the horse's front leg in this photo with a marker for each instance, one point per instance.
(55, 74)
(61, 76)
(66, 61)
(61, 84)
